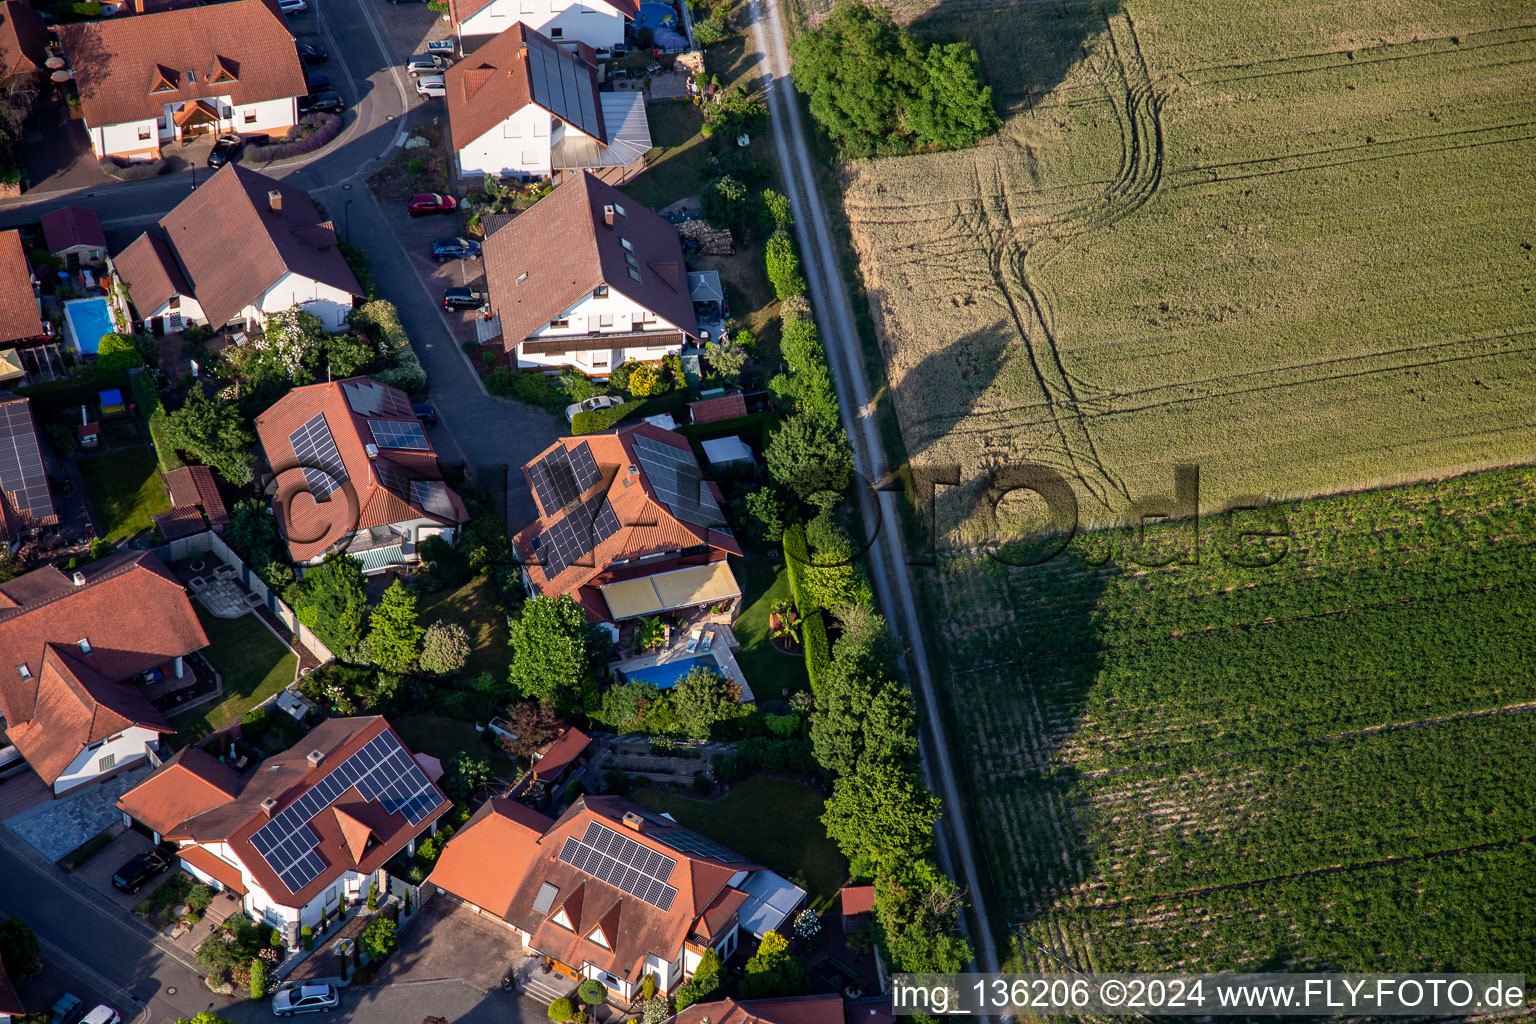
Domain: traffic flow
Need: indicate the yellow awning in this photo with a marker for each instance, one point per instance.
(680, 588)
(10, 366)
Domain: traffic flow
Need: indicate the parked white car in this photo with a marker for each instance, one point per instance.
(592, 405)
(306, 999)
(431, 85)
(103, 1014)
(292, 6)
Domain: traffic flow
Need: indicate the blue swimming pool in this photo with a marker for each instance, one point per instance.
(665, 676)
(654, 15)
(87, 320)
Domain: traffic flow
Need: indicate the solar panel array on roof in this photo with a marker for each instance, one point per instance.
(315, 449)
(21, 462)
(382, 771)
(398, 434)
(675, 476)
(695, 845)
(562, 84)
(369, 398)
(577, 534)
(622, 863)
(432, 495)
(564, 475)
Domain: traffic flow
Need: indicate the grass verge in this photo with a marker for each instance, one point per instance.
(473, 606)
(253, 663)
(443, 737)
(125, 490)
(769, 671)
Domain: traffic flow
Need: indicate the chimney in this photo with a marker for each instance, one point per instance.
(269, 805)
(275, 200)
(522, 51)
(608, 215)
(315, 758)
(372, 450)
(79, 579)
(138, 6)
(633, 820)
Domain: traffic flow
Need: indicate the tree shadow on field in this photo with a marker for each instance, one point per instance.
(1026, 49)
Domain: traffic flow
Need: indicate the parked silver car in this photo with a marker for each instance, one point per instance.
(306, 999)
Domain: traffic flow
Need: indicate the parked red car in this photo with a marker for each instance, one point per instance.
(432, 202)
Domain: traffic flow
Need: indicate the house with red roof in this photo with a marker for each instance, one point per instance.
(82, 649)
(74, 235)
(628, 526)
(21, 314)
(813, 1009)
(308, 831)
(598, 23)
(10, 1003)
(610, 890)
(588, 279)
(354, 471)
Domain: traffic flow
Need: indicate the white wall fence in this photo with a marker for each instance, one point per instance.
(210, 543)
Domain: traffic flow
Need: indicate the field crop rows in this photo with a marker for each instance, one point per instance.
(1327, 761)
(1291, 247)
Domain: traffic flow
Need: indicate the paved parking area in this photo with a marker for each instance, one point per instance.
(98, 871)
(59, 826)
(449, 941)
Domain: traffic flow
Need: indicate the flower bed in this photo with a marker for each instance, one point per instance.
(315, 130)
(131, 170)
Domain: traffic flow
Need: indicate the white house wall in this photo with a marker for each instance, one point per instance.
(585, 317)
(124, 748)
(519, 145)
(330, 304)
(191, 311)
(142, 138)
(127, 139)
(596, 24)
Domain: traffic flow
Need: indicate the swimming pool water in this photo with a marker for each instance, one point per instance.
(89, 319)
(665, 676)
(654, 15)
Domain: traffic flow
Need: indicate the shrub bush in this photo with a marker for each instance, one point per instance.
(198, 898)
(131, 170)
(319, 129)
(380, 321)
(592, 992)
(561, 1010)
(308, 935)
(254, 724)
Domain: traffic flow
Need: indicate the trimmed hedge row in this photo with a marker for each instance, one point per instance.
(813, 627)
(673, 402)
(131, 170)
(760, 754)
(153, 410)
(323, 128)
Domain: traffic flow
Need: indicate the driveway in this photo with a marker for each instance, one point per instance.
(60, 826)
(449, 942)
(98, 871)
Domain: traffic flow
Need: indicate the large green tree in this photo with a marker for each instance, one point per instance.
(808, 454)
(19, 951)
(554, 650)
(881, 815)
(727, 205)
(702, 698)
(917, 912)
(394, 634)
(773, 971)
(954, 107)
(214, 433)
(335, 603)
(863, 718)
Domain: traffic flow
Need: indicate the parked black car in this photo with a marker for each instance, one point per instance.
(445, 249)
(425, 413)
(138, 870)
(312, 53)
(318, 81)
(463, 298)
(322, 102)
(226, 149)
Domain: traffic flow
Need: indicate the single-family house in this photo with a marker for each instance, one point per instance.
(813, 1009)
(196, 504)
(627, 526)
(610, 890)
(21, 313)
(152, 79)
(311, 828)
(23, 40)
(73, 234)
(82, 649)
(588, 279)
(26, 499)
(598, 23)
(353, 470)
(240, 248)
(524, 106)
(553, 764)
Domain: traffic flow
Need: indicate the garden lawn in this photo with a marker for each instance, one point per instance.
(769, 671)
(776, 822)
(677, 164)
(473, 606)
(442, 737)
(125, 491)
(253, 663)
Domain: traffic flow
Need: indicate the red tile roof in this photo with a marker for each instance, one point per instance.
(462, 10)
(508, 882)
(10, 1002)
(130, 608)
(557, 757)
(178, 522)
(77, 706)
(646, 525)
(214, 866)
(23, 39)
(69, 226)
(858, 899)
(542, 262)
(286, 777)
(381, 489)
(224, 244)
(817, 1009)
(514, 69)
(500, 832)
(194, 487)
(190, 782)
(19, 315)
(712, 410)
(129, 68)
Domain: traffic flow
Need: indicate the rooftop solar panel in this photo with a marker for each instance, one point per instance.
(399, 434)
(675, 476)
(22, 475)
(577, 534)
(315, 450)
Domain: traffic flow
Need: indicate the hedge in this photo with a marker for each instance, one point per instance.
(794, 756)
(66, 396)
(152, 409)
(379, 319)
(131, 170)
(813, 628)
(323, 128)
(673, 402)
